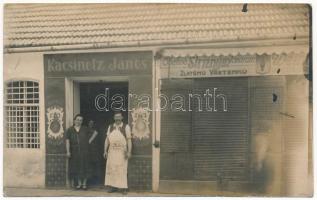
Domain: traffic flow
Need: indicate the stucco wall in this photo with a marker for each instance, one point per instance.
(25, 167)
(296, 138)
(279, 131)
(266, 133)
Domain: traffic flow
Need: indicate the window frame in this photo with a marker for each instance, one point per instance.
(25, 98)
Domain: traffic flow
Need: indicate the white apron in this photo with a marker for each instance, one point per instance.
(117, 163)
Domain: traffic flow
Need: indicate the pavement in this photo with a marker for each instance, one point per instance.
(58, 192)
(95, 192)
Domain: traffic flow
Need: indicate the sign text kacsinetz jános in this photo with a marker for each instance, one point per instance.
(100, 63)
(95, 65)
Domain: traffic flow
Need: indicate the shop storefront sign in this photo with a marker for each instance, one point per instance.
(122, 63)
(231, 66)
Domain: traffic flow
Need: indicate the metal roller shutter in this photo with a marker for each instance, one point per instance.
(176, 129)
(201, 145)
(221, 138)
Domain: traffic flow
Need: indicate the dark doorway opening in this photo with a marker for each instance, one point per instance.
(102, 118)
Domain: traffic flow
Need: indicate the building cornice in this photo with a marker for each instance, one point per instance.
(158, 45)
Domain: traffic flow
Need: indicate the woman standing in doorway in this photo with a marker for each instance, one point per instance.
(95, 155)
(77, 152)
(118, 148)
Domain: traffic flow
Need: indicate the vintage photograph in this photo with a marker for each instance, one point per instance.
(157, 99)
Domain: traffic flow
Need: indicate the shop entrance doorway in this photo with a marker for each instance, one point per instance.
(94, 101)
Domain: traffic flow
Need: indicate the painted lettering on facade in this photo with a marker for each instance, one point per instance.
(211, 72)
(95, 65)
(122, 63)
(202, 62)
(230, 66)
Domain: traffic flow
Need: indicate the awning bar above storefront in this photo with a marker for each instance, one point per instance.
(269, 50)
(225, 61)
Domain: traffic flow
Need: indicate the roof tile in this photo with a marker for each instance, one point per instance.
(59, 24)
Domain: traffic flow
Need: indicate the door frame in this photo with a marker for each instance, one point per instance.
(72, 84)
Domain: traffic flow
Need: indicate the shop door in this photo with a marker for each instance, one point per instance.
(206, 145)
(88, 92)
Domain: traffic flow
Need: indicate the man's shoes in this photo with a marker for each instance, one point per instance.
(124, 191)
(112, 189)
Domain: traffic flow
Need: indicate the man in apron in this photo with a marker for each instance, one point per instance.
(118, 148)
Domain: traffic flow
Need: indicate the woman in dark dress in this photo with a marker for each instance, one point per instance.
(77, 152)
(95, 155)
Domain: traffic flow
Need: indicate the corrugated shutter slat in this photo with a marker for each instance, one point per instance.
(220, 139)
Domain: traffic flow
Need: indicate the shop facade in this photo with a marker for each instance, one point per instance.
(192, 143)
(114, 76)
(59, 87)
(207, 117)
(236, 131)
